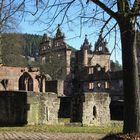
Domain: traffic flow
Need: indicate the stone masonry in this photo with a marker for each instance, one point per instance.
(43, 108)
(91, 109)
(20, 108)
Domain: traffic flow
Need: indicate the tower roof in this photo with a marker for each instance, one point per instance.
(86, 45)
(45, 38)
(101, 45)
(59, 34)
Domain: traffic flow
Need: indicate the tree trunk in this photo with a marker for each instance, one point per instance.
(0, 48)
(130, 78)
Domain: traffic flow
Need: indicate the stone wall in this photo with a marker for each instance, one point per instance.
(91, 109)
(43, 108)
(13, 109)
(20, 108)
(10, 76)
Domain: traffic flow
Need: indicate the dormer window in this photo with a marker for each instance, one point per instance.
(100, 49)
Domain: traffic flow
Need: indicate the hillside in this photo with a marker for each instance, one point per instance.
(20, 49)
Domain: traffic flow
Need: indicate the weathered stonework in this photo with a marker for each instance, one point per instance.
(20, 108)
(91, 109)
(10, 77)
(44, 108)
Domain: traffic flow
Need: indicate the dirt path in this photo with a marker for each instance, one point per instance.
(49, 136)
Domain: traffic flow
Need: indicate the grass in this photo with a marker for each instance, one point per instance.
(113, 128)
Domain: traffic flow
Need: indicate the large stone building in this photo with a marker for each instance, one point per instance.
(92, 66)
(56, 55)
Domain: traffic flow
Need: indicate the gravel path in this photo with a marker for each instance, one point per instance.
(49, 136)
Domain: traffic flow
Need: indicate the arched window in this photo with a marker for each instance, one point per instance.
(26, 82)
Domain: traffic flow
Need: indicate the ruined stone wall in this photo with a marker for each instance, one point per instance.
(43, 108)
(94, 109)
(13, 108)
(20, 108)
(12, 75)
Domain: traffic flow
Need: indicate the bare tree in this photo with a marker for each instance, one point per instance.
(10, 10)
(10, 14)
(111, 14)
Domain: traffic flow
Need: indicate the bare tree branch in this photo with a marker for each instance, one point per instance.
(104, 7)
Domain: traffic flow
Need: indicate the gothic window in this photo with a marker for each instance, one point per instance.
(26, 82)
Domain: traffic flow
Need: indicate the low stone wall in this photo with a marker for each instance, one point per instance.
(43, 108)
(91, 109)
(20, 108)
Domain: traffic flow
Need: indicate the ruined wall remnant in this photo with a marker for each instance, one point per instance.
(43, 108)
(20, 108)
(91, 109)
(13, 108)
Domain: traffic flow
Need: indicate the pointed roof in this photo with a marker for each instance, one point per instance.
(86, 45)
(45, 38)
(101, 45)
(58, 32)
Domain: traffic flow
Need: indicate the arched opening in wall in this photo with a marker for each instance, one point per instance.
(94, 112)
(26, 82)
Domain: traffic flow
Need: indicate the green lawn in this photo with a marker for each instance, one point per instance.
(113, 128)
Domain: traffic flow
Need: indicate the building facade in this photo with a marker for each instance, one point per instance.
(54, 52)
(92, 67)
(56, 56)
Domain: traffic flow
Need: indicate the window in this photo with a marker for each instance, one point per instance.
(26, 82)
(100, 49)
(91, 85)
(90, 70)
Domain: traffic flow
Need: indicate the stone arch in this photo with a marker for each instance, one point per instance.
(26, 82)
